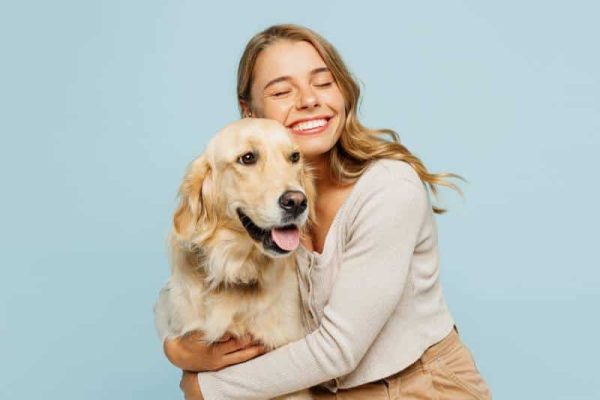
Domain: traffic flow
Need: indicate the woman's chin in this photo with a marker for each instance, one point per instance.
(313, 150)
(313, 147)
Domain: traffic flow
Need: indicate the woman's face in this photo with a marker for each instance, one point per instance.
(293, 85)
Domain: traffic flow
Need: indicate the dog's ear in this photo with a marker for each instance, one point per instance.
(195, 213)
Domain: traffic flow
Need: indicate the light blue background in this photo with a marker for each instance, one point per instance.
(104, 103)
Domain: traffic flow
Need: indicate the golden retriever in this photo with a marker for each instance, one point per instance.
(243, 206)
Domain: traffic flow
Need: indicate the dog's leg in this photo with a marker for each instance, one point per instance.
(219, 318)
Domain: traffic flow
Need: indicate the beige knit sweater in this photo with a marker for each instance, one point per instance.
(372, 298)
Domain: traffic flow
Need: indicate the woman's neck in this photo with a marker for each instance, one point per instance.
(324, 180)
(321, 173)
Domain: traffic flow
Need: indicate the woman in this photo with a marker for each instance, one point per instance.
(369, 269)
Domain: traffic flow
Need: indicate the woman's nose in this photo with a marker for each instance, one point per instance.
(307, 98)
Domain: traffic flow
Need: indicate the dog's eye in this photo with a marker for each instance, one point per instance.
(247, 159)
(295, 157)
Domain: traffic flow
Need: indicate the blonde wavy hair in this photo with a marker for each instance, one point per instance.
(358, 145)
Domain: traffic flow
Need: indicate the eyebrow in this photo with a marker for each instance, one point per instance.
(287, 78)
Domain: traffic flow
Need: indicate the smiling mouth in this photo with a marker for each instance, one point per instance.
(311, 126)
(280, 239)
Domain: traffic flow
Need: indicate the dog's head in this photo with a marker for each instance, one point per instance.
(251, 185)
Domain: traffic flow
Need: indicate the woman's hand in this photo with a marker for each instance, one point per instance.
(191, 353)
(190, 387)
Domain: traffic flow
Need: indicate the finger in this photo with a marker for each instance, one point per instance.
(193, 337)
(244, 354)
(233, 345)
(227, 336)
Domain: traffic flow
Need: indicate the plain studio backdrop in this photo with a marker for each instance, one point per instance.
(103, 105)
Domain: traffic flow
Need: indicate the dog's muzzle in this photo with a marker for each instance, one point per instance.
(293, 203)
(278, 239)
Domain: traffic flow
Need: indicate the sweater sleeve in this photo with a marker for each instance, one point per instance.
(383, 229)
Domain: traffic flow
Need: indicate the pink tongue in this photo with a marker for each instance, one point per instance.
(287, 239)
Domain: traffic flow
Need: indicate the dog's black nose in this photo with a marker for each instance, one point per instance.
(293, 202)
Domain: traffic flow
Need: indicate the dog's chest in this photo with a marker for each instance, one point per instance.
(271, 315)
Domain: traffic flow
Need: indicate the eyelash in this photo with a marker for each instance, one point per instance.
(322, 85)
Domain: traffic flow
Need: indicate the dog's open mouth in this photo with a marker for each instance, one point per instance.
(281, 239)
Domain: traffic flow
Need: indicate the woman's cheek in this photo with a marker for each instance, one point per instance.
(277, 110)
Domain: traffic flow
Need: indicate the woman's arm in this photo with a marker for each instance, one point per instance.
(382, 237)
(191, 353)
(189, 386)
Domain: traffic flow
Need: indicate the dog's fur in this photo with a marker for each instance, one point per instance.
(223, 279)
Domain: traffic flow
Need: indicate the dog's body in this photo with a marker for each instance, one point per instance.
(243, 203)
(269, 309)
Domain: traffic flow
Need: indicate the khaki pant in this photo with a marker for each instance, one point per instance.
(446, 371)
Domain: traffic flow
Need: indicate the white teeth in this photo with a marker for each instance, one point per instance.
(302, 126)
